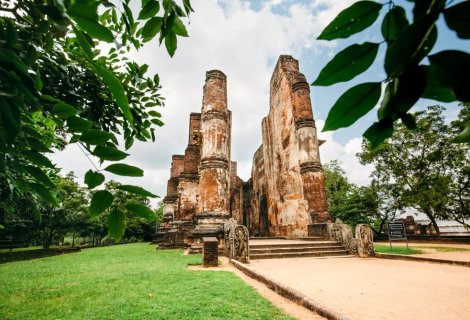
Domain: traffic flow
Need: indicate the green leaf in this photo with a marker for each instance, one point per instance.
(94, 136)
(151, 28)
(149, 10)
(122, 169)
(458, 19)
(158, 122)
(108, 153)
(37, 145)
(347, 64)
(43, 193)
(93, 179)
(84, 43)
(402, 93)
(452, 69)
(94, 29)
(179, 28)
(100, 201)
(37, 158)
(136, 190)
(141, 211)
(352, 105)
(155, 113)
(408, 120)
(116, 224)
(78, 124)
(171, 43)
(38, 82)
(394, 23)
(378, 132)
(40, 176)
(64, 110)
(464, 136)
(434, 89)
(352, 20)
(117, 91)
(10, 120)
(409, 46)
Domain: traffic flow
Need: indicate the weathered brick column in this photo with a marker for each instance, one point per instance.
(214, 183)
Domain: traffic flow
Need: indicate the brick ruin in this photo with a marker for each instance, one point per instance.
(285, 195)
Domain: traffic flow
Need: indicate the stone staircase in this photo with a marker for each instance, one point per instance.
(282, 248)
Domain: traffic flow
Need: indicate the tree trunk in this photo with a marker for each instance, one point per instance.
(73, 241)
(434, 223)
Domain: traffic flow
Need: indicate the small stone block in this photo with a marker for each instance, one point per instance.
(210, 252)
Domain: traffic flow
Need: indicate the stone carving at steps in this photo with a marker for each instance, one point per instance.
(362, 245)
(236, 241)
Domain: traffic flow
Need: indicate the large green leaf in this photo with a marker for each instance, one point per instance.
(141, 211)
(352, 105)
(458, 19)
(117, 91)
(40, 176)
(37, 145)
(149, 10)
(179, 28)
(352, 20)
(378, 132)
(394, 23)
(94, 136)
(64, 110)
(77, 124)
(93, 179)
(151, 28)
(347, 64)
(464, 136)
(436, 90)
(100, 201)
(122, 169)
(43, 193)
(10, 120)
(452, 70)
(410, 45)
(85, 14)
(402, 93)
(116, 224)
(108, 153)
(84, 43)
(136, 190)
(37, 158)
(171, 43)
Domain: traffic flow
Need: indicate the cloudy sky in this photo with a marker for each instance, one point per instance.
(244, 40)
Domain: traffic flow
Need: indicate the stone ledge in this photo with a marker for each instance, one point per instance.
(421, 259)
(290, 293)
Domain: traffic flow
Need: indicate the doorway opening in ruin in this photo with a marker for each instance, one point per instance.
(263, 230)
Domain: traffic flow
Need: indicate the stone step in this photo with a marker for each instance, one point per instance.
(312, 239)
(299, 249)
(295, 245)
(328, 253)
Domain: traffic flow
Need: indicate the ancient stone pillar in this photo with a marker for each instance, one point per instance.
(214, 183)
(171, 199)
(309, 155)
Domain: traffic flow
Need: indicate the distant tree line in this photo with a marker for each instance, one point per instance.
(420, 169)
(70, 222)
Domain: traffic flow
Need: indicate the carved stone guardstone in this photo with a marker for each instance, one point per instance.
(210, 252)
(236, 241)
(362, 245)
(365, 238)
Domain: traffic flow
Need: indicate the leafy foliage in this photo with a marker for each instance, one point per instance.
(408, 78)
(65, 79)
(422, 169)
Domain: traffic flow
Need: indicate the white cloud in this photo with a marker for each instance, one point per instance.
(244, 43)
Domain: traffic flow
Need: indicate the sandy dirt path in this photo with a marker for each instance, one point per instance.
(377, 288)
(290, 308)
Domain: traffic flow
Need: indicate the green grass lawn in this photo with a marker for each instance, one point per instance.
(132, 281)
(396, 249)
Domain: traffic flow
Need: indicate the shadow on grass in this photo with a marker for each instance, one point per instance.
(33, 254)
